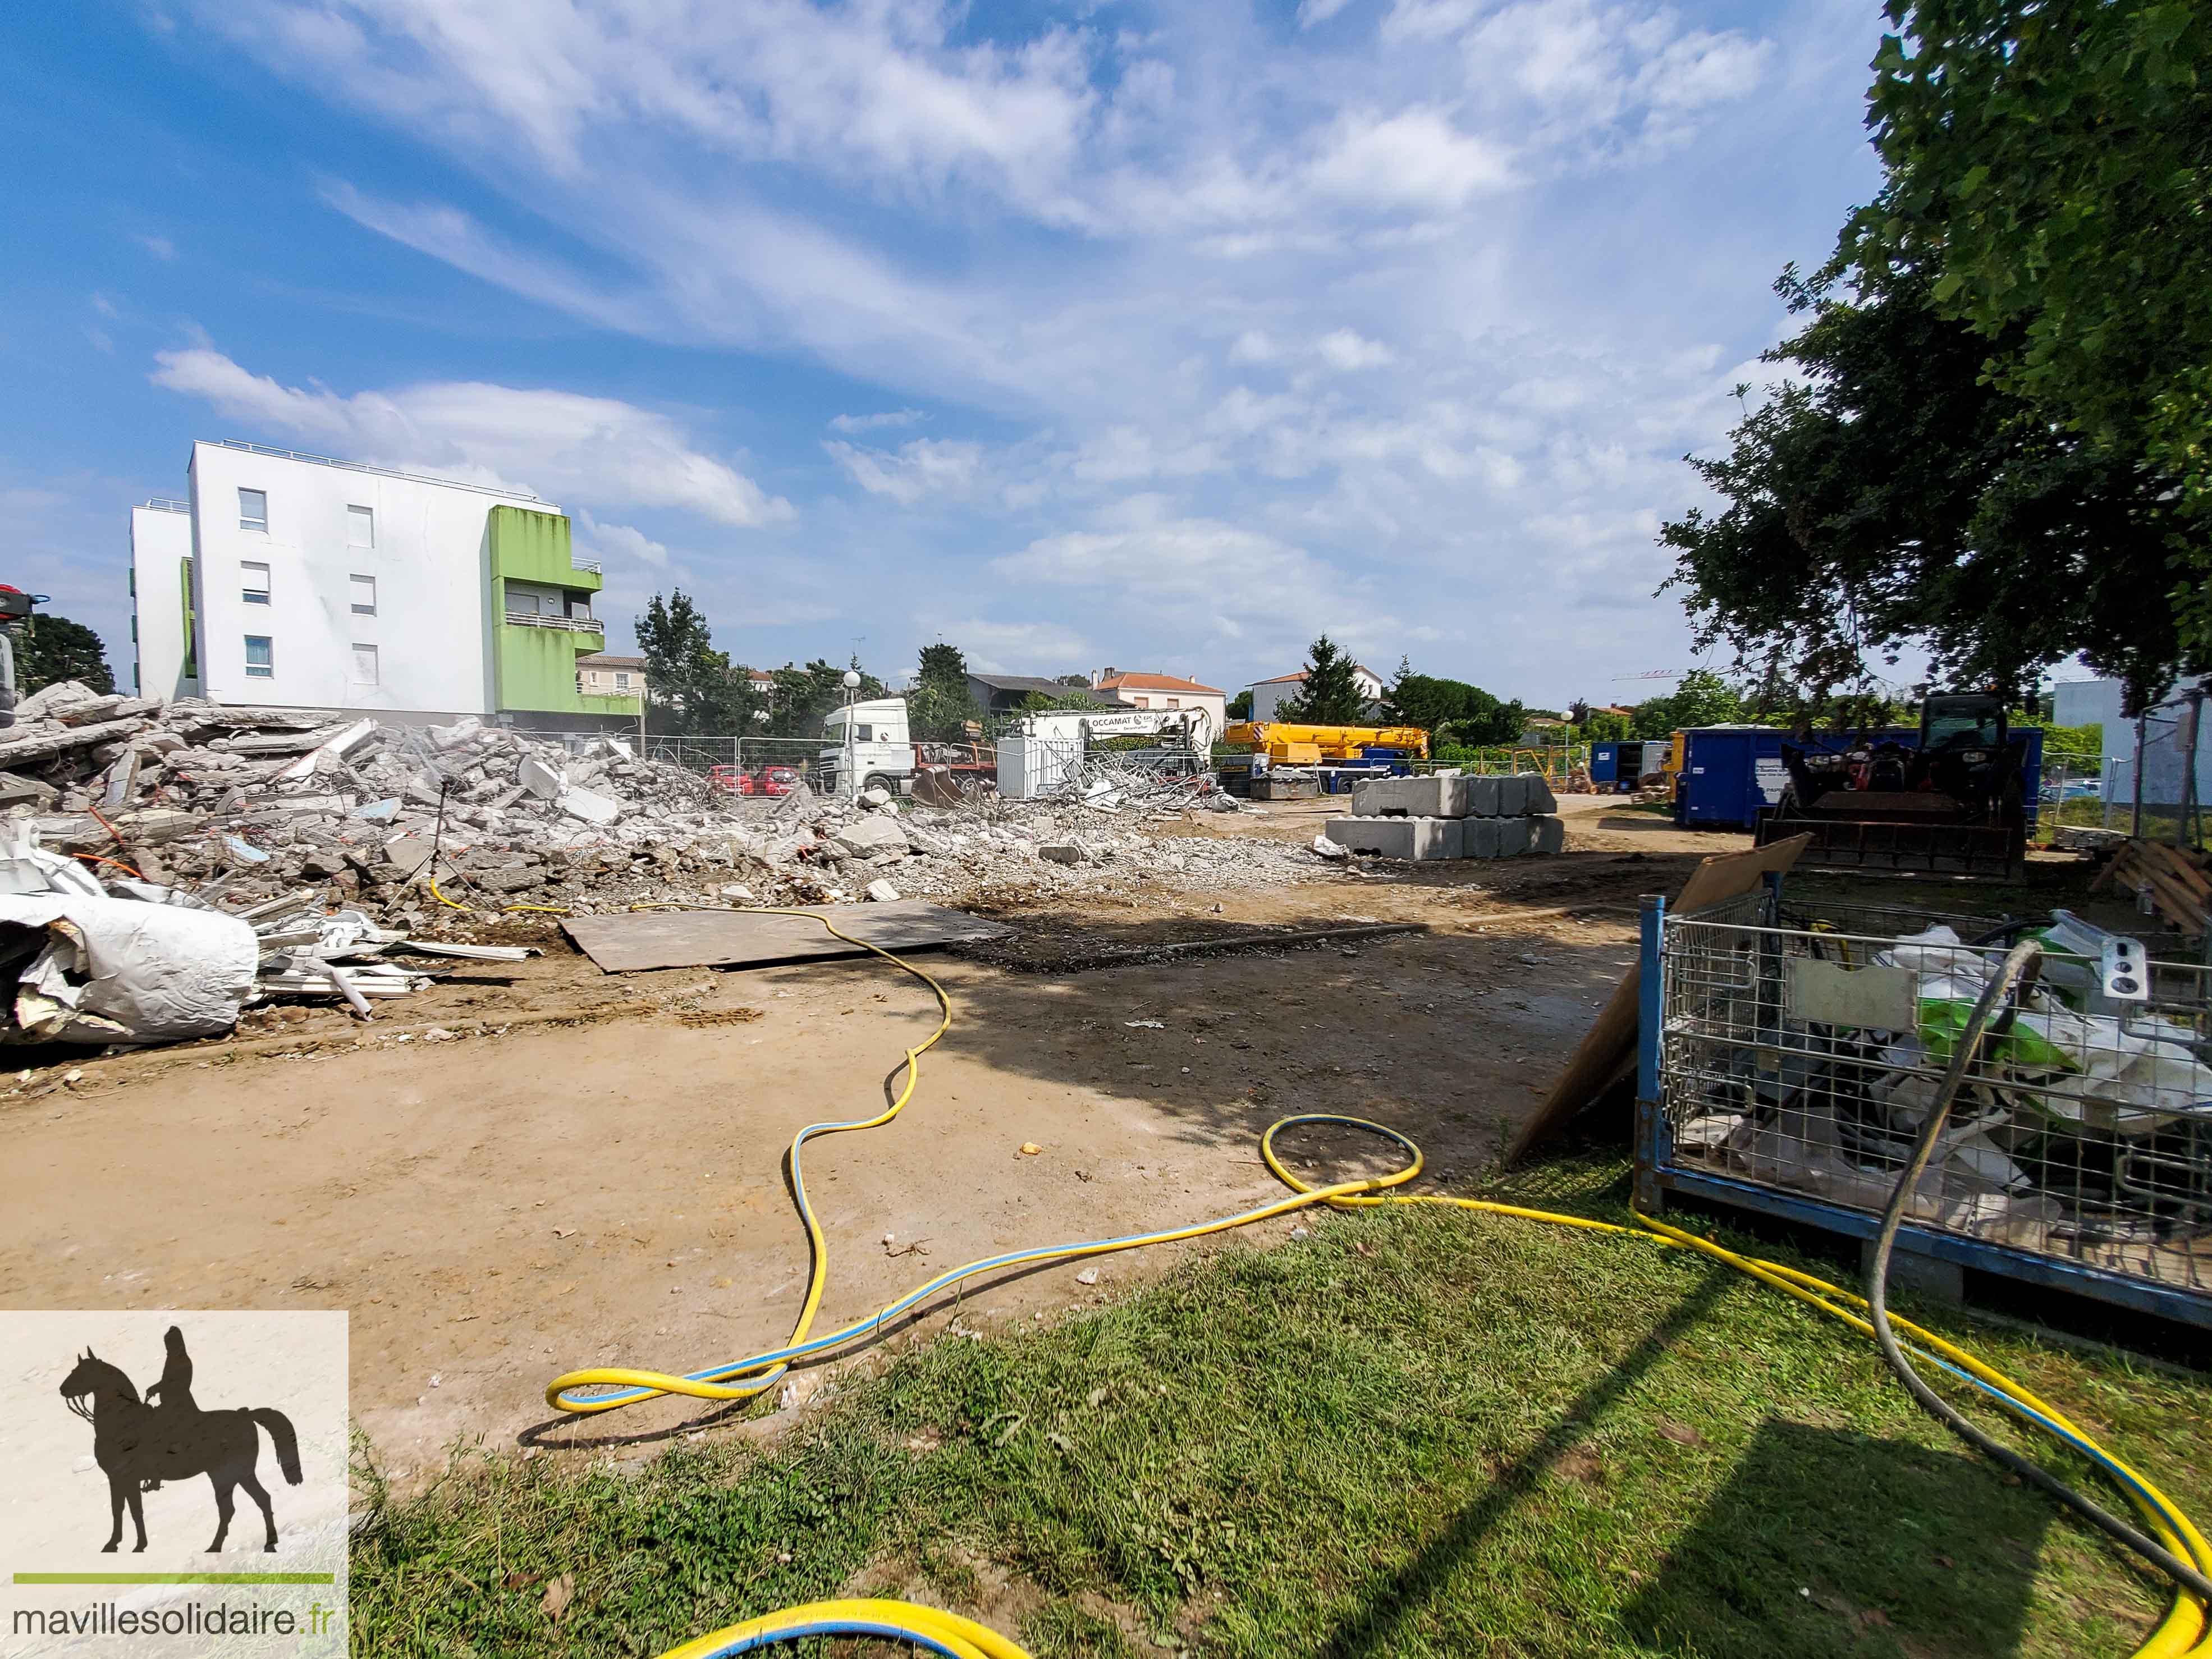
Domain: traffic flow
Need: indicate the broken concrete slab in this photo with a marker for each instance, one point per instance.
(43, 744)
(1061, 852)
(588, 806)
(882, 892)
(870, 837)
(546, 782)
(17, 790)
(1416, 839)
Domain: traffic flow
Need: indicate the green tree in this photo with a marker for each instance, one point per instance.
(1045, 701)
(1238, 707)
(692, 688)
(1998, 445)
(1331, 694)
(1601, 725)
(49, 649)
(803, 697)
(939, 709)
(1470, 715)
(2055, 161)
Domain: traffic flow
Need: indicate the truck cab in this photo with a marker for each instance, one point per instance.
(876, 746)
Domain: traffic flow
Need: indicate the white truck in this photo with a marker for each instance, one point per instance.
(867, 741)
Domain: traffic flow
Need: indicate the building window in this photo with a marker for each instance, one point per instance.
(260, 659)
(253, 510)
(364, 665)
(361, 527)
(1175, 702)
(364, 595)
(253, 582)
(622, 682)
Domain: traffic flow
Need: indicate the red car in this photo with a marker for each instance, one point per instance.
(731, 778)
(776, 781)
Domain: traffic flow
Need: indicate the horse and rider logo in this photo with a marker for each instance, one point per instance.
(139, 1444)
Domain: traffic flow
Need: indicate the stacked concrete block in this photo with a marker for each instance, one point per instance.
(1418, 839)
(1451, 817)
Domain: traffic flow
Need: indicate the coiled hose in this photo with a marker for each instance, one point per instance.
(2172, 1543)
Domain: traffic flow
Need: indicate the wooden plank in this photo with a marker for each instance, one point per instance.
(1610, 1046)
(641, 939)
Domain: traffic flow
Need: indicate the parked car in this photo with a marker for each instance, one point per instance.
(776, 780)
(735, 780)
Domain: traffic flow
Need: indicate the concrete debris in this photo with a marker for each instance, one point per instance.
(882, 892)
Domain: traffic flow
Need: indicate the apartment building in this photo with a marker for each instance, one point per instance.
(310, 582)
(606, 676)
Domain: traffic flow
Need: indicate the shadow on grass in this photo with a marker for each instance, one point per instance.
(1374, 1627)
(1827, 1541)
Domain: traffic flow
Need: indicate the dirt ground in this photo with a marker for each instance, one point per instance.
(589, 1171)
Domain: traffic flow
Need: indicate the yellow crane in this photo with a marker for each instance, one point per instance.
(1286, 743)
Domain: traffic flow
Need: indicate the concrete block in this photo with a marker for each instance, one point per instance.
(541, 780)
(1411, 798)
(1512, 837)
(1398, 838)
(1478, 838)
(867, 837)
(1548, 835)
(1541, 799)
(1482, 797)
(591, 808)
(1512, 797)
(1061, 852)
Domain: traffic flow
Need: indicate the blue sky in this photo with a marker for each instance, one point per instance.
(1163, 336)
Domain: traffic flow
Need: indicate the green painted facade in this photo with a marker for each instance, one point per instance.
(534, 668)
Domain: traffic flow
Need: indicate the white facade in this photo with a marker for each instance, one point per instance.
(1164, 691)
(161, 593)
(319, 584)
(1269, 695)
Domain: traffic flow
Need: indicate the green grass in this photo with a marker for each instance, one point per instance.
(1412, 1433)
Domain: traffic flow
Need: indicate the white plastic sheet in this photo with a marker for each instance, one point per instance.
(117, 970)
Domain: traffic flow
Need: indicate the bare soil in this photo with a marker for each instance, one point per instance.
(591, 1170)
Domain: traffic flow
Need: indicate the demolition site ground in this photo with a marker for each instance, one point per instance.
(534, 1166)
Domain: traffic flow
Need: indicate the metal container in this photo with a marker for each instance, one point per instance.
(1729, 773)
(1788, 1053)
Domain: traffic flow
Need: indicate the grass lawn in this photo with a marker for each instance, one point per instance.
(1414, 1433)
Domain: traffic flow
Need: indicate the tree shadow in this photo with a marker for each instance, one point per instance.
(1374, 1626)
(1828, 1541)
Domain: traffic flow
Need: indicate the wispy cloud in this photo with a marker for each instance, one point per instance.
(159, 246)
(876, 422)
(549, 442)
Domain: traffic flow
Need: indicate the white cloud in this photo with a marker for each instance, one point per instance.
(872, 423)
(1015, 647)
(927, 466)
(159, 246)
(620, 539)
(1414, 159)
(1311, 12)
(1346, 349)
(1253, 346)
(549, 442)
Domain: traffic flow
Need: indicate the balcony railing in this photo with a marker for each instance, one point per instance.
(591, 565)
(567, 624)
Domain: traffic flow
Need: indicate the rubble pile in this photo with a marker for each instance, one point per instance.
(409, 826)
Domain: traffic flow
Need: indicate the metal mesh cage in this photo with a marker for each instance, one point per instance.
(1801, 1045)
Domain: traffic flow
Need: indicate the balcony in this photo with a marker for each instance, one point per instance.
(565, 624)
(591, 565)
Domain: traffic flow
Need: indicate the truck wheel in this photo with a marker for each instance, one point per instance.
(877, 781)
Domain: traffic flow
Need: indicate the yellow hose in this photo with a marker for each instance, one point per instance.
(2183, 1631)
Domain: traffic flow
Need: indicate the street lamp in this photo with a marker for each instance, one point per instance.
(852, 776)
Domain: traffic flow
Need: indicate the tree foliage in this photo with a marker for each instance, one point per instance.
(1450, 710)
(1992, 444)
(1331, 694)
(939, 709)
(1238, 707)
(1701, 698)
(49, 649)
(690, 687)
(803, 697)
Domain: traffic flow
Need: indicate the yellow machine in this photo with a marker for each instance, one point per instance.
(1308, 753)
(1286, 744)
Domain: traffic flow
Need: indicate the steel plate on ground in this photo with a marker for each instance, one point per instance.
(631, 943)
